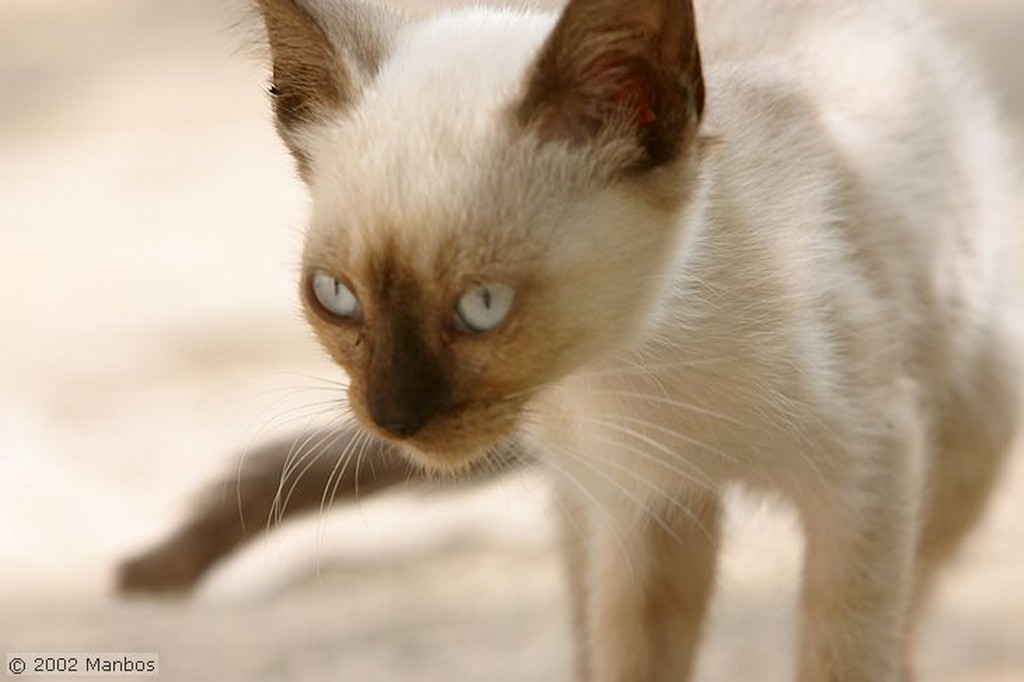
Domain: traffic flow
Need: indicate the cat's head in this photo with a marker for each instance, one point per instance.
(496, 198)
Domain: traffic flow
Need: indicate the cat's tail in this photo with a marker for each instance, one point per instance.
(263, 492)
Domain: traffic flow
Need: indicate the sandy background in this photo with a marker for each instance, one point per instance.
(149, 221)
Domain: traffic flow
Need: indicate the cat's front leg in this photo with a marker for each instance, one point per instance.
(859, 563)
(647, 584)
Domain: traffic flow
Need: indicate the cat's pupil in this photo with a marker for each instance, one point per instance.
(336, 298)
(483, 307)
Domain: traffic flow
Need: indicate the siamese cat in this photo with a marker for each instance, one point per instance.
(663, 249)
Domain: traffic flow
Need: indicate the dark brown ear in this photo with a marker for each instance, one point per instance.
(323, 53)
(615, 69)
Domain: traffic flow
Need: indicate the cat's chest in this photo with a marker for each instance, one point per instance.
(643, 432)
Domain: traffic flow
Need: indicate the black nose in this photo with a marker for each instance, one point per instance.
(406, 382)
(401, 426)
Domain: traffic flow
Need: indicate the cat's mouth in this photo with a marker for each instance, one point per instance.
(452, 441)
(444, 452)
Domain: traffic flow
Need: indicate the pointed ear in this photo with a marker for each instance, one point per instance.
(619, 69)
(324, 52)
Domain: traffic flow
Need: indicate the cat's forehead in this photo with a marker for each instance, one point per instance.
(463, 56)
(424, 160)
(431, 115)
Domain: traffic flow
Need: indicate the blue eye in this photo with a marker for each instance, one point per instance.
(484, 307)
(334, 296)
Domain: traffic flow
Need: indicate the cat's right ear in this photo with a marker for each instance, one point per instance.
(623, 71)
(323, 54)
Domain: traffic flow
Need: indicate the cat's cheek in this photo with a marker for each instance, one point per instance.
(347, 347)
(347, 353)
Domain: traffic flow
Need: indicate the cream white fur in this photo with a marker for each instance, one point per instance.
(830, 317)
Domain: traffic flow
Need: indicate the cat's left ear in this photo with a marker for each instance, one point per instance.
(619, 70)
(324, 53)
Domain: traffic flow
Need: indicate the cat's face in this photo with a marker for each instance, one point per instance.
(487, 220)
(451, 304)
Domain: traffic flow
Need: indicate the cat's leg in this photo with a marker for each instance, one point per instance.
(974, 436)
(575, 523)
(861, 532)
(646, 588)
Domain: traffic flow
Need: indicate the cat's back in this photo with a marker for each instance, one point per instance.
(878, 87)
(861, 139)
(897, 99)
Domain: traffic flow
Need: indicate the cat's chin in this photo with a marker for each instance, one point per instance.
(439, 450)
(446, 461)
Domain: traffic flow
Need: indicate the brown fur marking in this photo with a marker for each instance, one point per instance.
(407, 380)
(612, 65)
(319, 62)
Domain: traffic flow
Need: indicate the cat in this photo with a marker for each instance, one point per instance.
(664, 249)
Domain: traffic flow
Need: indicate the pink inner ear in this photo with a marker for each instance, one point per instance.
(635, 95)
(613, 89)
(618, 83)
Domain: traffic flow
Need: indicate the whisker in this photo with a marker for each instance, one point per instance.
(699, 480)
(632, 433)
(265, 424)
(359, 460)
(647, 511)
(359, 443)
(667, 496)
(311, 377)
(308, 411)
(784, 410)
(630, 570)
(637, 367)
(665, 400)
(294, 458)
(324, 444)
(337, 475)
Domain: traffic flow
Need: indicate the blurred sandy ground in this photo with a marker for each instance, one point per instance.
(149, 224)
